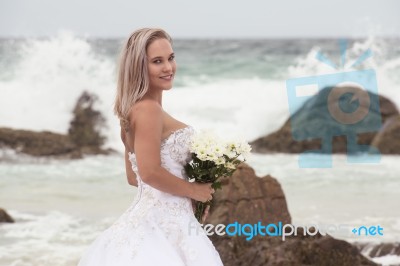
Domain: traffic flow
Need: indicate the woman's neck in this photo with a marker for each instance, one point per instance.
(154, 96)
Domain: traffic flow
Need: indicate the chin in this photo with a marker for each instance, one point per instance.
(167, 88)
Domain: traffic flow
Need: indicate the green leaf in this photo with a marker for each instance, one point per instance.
(216, 185)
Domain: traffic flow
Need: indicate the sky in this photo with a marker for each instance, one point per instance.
(202, 19)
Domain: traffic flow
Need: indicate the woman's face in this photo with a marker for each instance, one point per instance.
(161, 64)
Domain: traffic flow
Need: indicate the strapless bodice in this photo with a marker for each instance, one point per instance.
(174, 154)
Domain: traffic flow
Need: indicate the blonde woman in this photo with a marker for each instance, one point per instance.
(155, 228)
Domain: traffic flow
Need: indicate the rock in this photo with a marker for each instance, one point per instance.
(87, 123)
(83, 137)
(314, 120)
(246, 198)
(43, 143)
(5, 217)
(388, 138)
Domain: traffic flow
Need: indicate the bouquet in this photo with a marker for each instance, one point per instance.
(211, 159)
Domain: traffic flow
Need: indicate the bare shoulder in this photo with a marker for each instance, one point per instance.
(146, 108)
(146, 103)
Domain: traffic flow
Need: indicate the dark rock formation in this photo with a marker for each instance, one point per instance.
(83, 137)
(43, 143)
(388, 138)
(5, 217)
(246, 198)
(303, 131)
(87, 123)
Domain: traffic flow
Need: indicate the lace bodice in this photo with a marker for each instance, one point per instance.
(174, 152)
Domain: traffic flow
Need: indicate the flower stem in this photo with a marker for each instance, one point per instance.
(200, 208)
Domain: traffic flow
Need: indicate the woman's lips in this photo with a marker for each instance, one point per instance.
(167, 77)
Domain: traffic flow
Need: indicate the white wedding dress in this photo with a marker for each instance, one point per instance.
(158, 228)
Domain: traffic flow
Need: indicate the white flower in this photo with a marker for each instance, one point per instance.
(244, 149)
(219, 149)
(230, 149)
(191, 180)
(220, 160)
(212, 158)
(230, 165)
(207, 146)
(202, 157)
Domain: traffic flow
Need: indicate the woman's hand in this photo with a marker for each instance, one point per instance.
(202, 192)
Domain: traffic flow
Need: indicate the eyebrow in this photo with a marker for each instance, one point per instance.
(159, 57)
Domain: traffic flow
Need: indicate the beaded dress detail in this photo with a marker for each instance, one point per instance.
(158, 228)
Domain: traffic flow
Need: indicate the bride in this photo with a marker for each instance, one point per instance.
(155, 228)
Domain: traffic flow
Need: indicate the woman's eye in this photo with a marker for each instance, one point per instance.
(172, 58)
(157, 61)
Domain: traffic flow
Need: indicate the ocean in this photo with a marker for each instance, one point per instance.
(235, 87)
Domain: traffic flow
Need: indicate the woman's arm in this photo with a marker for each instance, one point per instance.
(131, 176)
(147, 123)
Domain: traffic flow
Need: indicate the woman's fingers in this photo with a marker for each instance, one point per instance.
(203, 192)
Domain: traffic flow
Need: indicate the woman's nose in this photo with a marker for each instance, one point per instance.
(167, 67)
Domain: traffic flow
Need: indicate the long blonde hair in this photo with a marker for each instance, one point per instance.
(133, 78)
